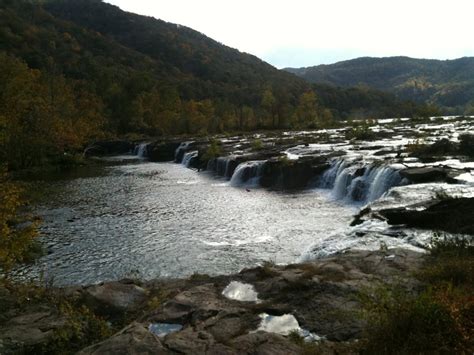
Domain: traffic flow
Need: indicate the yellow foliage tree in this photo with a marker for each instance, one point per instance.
(17, 232)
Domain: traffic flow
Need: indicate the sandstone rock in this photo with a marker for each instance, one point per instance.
(114, 296)
(455, 215)
(134, 339)
(31, 329)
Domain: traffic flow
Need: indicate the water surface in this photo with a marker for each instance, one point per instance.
(152, 220)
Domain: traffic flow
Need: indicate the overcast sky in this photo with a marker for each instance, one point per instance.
(300, 33)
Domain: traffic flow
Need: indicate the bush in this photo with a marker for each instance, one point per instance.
(362, 132)
(17, 229)
(257, 144)
(439, 318)
(213, 151)
(400, 322)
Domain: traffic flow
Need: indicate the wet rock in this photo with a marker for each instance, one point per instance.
(108, 148)
(162, 151)
(134, 339)
(455, 215)
(291, 174)
(426, 174)
(112, 297)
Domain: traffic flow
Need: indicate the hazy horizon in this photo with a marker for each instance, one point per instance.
(304, 33)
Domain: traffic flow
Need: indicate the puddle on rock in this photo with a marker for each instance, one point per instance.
(163, 329)
(241, 292)
(285, 325)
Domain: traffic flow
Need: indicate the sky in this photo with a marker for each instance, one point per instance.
(300, 33)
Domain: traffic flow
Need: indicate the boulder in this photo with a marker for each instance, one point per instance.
(112, 297)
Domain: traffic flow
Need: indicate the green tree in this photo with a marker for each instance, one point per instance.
(307, 112)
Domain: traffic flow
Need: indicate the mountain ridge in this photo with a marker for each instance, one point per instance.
(447, 83)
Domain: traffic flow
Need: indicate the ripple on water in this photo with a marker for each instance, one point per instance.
(136, 219)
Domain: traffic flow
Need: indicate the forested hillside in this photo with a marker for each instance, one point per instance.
(73, 71)
(446, 83)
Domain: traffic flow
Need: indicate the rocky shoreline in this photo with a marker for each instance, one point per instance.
(310, 307)
(322, 295)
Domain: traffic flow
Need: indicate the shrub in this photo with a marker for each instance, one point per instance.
(257, 144)
(213, 151)
(439, 318)
(400, 322)
(362, 132)
(17, 229)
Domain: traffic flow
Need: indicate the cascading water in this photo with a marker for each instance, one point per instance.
(359, 183)
(223, 166)
(328, 178)
(141, 150)
(181, 150)
(248, 174)
(188, 158)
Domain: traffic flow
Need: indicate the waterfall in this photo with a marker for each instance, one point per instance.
(141, 150)
(188, 158)
(248, 174)
(357, 183)
(222, 166)
(328, 178)
(179, 152)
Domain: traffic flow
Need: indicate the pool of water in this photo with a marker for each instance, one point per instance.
(153, 220)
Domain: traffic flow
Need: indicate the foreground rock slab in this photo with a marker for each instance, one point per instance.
(322, 296)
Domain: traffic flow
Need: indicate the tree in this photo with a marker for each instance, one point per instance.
(306, 114)
(17, 232)
(269, 106)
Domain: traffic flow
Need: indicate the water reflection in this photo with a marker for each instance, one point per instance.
(163, 220)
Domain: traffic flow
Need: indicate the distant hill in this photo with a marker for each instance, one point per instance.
(158, 78)
(447, 83)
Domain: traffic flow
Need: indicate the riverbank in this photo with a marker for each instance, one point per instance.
(333, 305)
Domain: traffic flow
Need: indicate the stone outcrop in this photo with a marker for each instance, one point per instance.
(455, 215)
(322, 295)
